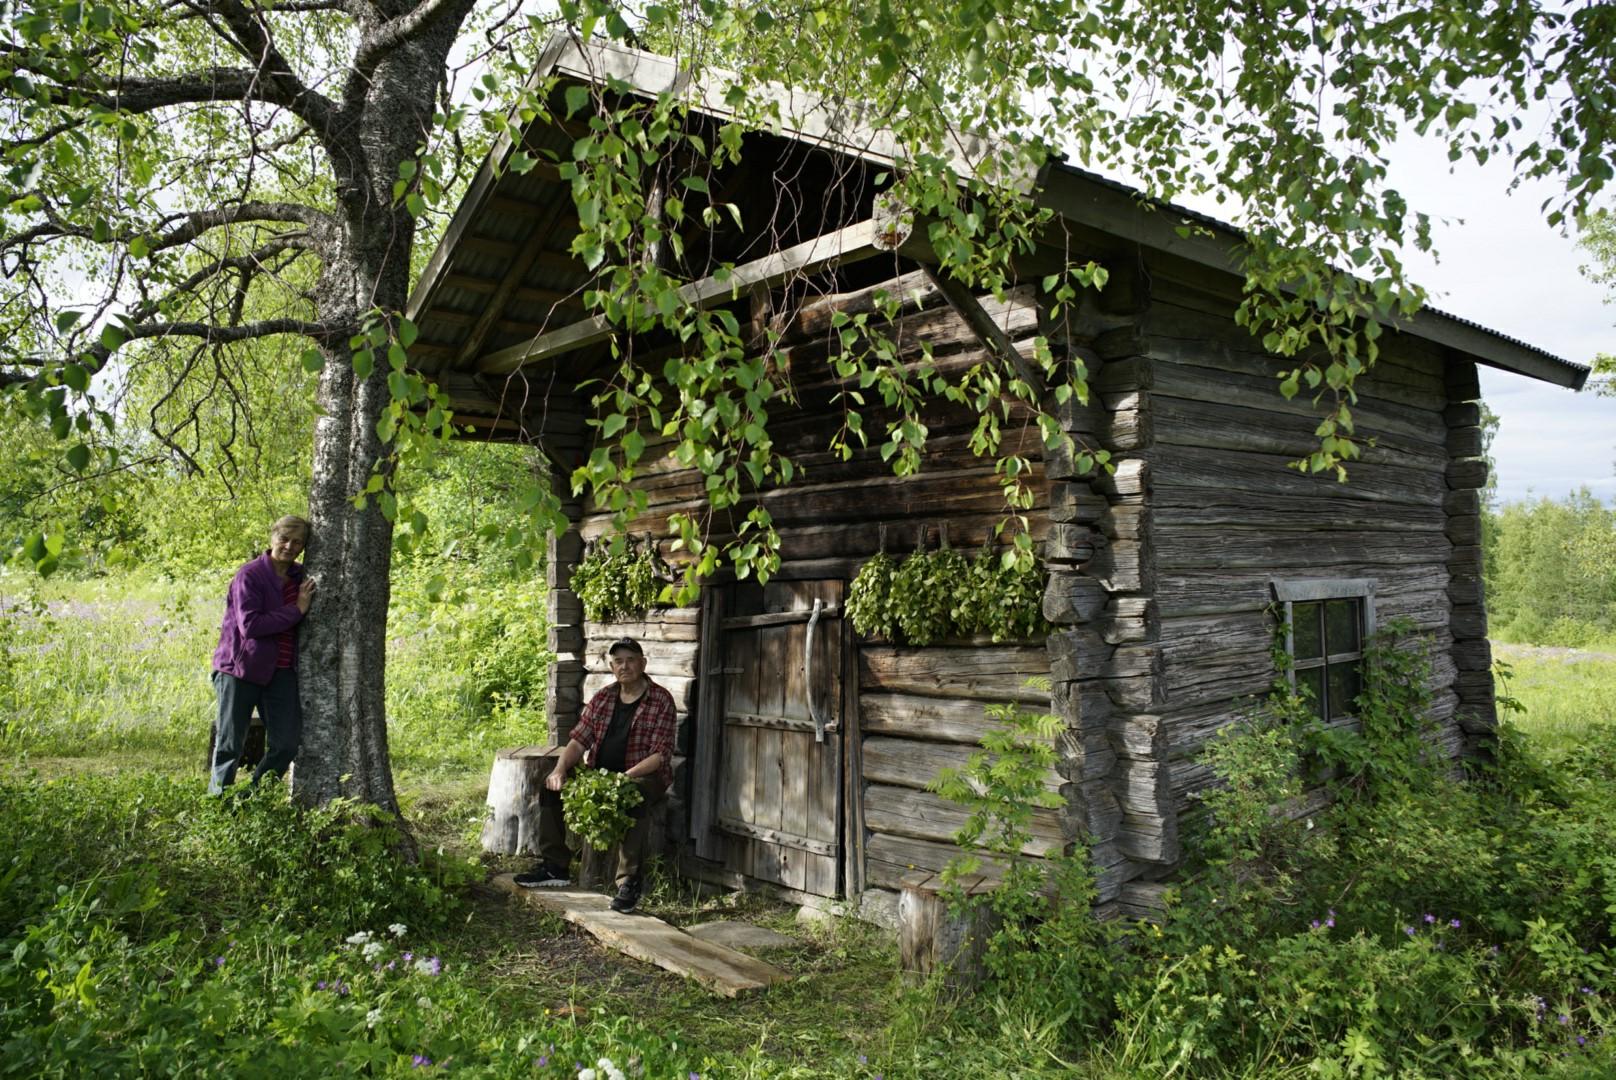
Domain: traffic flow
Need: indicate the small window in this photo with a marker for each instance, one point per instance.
(1326, 622)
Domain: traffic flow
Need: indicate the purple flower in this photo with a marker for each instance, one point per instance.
(1454, 923)
(1582, 1040)
(1585, 990)
(1315, 924)
(1429, 919)
(542, 1062)
(1409, 930)
(218, 961)
(320, 985)
(421, 1061)
(695, 1076)
(408, 957)
(1564, 1019)
(863, 1060)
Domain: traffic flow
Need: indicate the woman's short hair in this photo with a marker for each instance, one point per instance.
(290, 523)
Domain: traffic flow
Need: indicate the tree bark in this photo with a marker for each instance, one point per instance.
(343, 661)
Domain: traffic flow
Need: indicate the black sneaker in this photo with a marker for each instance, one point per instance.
(627, 898)
(544, 876)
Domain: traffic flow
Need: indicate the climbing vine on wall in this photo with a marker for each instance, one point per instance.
(932, 595)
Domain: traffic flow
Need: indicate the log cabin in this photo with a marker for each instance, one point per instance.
(806, 750)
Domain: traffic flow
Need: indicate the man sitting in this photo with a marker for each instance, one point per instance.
(628, 728)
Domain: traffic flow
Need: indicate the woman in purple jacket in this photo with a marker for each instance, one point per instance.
(256, 661)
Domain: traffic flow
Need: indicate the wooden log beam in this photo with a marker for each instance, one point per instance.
(851, 244)
(990, 333)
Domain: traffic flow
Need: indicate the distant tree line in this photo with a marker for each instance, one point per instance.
(1551, 571)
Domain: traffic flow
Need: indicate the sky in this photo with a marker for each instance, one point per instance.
(1503, 267)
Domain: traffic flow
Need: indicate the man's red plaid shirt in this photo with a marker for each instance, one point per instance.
(651, 729)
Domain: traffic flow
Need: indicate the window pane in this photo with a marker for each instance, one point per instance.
(1344, 686)
(1342, 620)
(1310, 683)
(1305, 630)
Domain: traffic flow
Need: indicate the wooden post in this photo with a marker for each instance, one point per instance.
(935, 940)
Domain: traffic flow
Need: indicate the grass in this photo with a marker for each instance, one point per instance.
(1566, 693)
(105, 679)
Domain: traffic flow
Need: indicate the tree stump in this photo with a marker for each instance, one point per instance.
(514, 783)
(932, 940)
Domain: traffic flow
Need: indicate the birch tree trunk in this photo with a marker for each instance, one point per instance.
(343, 652)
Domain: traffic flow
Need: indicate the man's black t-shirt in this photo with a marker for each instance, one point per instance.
(612, 753)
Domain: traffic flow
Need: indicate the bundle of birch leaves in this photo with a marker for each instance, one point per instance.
(933, 595)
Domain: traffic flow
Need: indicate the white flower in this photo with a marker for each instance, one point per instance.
(397, 929)
(605, 1064)
(586, 1074)
(372, 949)
(373, 1017)
(358, 938)
(424, 1002)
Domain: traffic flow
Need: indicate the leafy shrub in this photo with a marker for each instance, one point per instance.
(595, 804)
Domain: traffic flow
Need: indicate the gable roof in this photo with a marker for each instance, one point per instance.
(501, 291)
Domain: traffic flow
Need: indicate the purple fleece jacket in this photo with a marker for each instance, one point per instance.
(255, 613)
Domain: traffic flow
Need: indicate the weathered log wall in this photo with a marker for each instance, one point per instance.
(1227, 517)
(831, 519)
(924, 709)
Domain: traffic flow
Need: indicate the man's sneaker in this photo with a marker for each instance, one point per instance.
(627, 898)
(544, 876)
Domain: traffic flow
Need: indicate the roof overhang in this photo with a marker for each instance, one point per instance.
(1102, 205)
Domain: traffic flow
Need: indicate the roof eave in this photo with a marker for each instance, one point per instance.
(1102, 205)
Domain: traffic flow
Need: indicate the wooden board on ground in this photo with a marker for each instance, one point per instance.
(721, 970)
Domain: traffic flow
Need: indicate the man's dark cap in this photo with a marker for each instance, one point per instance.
(625, 643)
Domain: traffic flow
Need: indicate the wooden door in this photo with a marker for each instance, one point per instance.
(778, 797)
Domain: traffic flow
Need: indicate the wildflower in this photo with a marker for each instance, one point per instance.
(1582, 1040)
(218, 961)
(1429, 918)
(1330, 921)
(373, 1017)
(1316, 924)
(430, 966)
(1454, 923)
(408, 957)
(863, 1060)
(1409, 930)
(1585, 989)
(372, 950)
(586, 1074)
(424, 1002)
(542, 1062)
(1564, 1019)
(391, 964)
(421, 1061)
(358, 938)
(320, 985)
(397, 929)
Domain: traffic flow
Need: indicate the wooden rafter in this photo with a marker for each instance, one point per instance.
(990, 333)
(847, 245)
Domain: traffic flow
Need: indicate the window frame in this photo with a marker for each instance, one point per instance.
(1289, 592)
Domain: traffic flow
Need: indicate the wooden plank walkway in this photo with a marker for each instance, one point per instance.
(720, 969)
